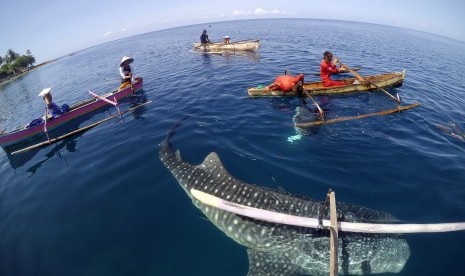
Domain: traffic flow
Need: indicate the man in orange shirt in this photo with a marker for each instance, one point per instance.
(328, 67)
(287, 83)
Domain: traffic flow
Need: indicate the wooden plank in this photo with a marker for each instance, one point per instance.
(79, 130)
(341, 119)
(333, 262)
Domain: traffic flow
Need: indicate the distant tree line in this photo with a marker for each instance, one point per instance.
(13, 63)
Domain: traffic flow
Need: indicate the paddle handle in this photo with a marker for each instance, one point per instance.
(364, 80)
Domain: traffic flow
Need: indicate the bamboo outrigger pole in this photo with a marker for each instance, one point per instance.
(355, 227)
(348, 118)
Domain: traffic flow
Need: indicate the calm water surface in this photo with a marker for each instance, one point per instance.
(101, 203)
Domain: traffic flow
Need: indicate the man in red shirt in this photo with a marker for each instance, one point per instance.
(328, 67)
(287, 83)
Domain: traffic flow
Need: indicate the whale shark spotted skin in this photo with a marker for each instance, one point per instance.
(276, 249)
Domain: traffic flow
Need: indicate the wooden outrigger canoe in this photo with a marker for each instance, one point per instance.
(394, 79)
(25, 134)
(245, 45)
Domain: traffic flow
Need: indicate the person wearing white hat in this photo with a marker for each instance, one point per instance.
(125, 72)
(52, 108)
(226, 39)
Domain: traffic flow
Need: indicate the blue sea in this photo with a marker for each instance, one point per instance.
(102, 203)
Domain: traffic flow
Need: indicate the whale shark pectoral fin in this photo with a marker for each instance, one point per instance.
(213, 163)
(271, 263)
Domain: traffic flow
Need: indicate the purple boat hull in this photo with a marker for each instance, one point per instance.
(17, 136)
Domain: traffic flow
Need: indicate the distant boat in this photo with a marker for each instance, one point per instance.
(244, 45)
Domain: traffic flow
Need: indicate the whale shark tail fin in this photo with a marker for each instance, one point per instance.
(166, 144)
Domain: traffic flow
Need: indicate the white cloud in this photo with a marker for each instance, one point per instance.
(108, 33)
(123, 30)
(240, 12)
(276, 11)
(258, 12)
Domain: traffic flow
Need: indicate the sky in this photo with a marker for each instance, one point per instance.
(52, 29)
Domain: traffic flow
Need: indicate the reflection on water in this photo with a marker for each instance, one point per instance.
(20, 160)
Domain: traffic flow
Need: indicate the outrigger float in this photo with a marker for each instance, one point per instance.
(357, 84)
(27, 134)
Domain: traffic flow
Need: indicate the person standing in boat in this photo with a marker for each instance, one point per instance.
(52, 109)
(125, 72)
(328, 67)
(287, 83)
(226, 39)
(204, 38)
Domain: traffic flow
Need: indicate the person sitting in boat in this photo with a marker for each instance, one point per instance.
(226, 39)
(204, 37)
(287, 83)
(328, 67)
(125, 72)
(52, 109)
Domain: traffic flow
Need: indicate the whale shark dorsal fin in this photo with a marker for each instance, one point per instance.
(178, 155)
(213, 163)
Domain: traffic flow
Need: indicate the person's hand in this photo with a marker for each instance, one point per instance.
(335, 60)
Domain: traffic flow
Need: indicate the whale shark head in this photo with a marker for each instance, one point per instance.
(276, 249)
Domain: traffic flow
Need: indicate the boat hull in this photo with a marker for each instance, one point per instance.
(77, 110)
(394, 79)
(247, 45)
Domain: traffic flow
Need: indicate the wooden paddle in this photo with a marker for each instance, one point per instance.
(364, 80)
(320, 110)
(45, 124)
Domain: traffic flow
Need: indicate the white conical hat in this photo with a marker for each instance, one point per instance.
(45, 92)
(125, 58)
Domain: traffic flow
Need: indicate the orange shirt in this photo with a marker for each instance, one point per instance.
(286, 82)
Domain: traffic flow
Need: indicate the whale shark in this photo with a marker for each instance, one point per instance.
(277, 249)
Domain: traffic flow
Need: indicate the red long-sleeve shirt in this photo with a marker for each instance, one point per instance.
(326, 70)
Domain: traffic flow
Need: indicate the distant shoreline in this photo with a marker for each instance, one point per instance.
(12, 78)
